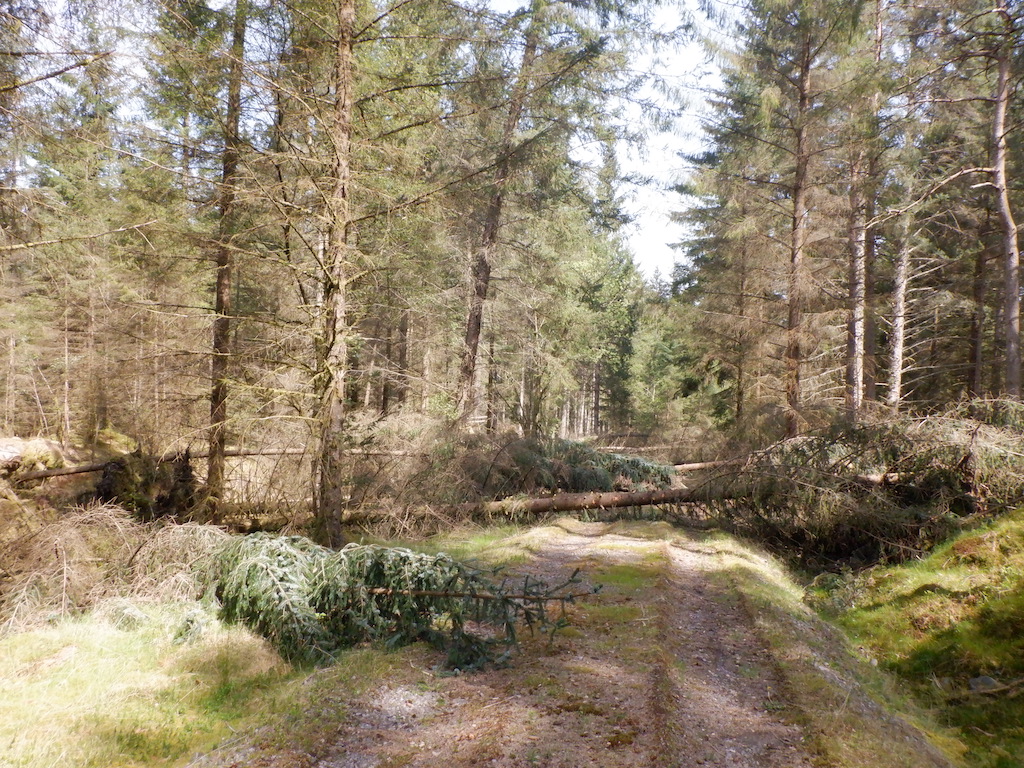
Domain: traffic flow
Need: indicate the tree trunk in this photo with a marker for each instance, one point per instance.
(976, 375)
(855, 339)
(402, 390)
(492, 388)
(1011, 249)
(741, 350)
(9, 394)
(333, 353)
(64, 433)
(898, 333)
(870, 207)
(480, 274)
(224, 260)
(798, 242)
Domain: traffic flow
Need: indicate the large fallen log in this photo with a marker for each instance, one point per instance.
(699, 465)
(577, 502)
(519, 508)
(99, 465)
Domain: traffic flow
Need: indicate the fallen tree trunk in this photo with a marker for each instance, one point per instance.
(99, 465)
(579, 502)
(80, 469)
(443, 518)
(576, 502)
(699, 465)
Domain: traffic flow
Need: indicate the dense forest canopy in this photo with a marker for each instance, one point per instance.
(318, 224)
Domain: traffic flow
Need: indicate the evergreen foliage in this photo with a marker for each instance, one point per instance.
(535, 465)
(569, 465)
(263, 582)
(310, 601)
(885, 490)
(850, 219)
(430, 465)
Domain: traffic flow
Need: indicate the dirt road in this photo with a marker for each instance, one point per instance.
(661, 668)
(666, 666)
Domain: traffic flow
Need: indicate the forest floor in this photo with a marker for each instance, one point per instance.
(674, 662)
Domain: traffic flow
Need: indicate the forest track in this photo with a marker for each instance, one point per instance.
(665, 667)
(661, 668)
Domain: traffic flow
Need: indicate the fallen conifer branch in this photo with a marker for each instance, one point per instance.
(1010, 690)
(310, 601)
(572, 596)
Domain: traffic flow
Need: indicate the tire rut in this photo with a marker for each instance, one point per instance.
(686, 683)
(725, 686)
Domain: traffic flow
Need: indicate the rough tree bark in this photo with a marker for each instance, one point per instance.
(333, 341)
(480, 274)
(798, 243)
(1011, 249)
(979, 290)
(224, 261)
(741, 366)
(858, 276)
(869, 194)
(898, 332)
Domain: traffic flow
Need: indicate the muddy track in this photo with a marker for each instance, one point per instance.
(663, 668)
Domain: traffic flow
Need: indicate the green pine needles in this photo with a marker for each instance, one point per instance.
(311, 602)
(264, 582)
(570, 466)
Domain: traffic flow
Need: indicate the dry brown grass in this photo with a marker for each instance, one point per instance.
(94, 554)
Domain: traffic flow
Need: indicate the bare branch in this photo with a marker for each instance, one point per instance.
(56, 72)
(40, 243)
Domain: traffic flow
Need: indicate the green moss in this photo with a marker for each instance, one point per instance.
(628, 577)
(495, 546)
(952, 616)
(614, 613)
(839, 700)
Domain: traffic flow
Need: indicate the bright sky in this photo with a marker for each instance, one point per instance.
(659, 164)
(684, 71)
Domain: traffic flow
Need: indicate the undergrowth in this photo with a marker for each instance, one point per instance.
(94, 554)
(114, 652)
(420, 464)
(890, 490)
(952, 625)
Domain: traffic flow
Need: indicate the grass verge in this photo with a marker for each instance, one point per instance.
(140, 685)
(124, 687)
(847, 707)
(952, 626)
